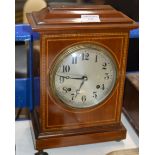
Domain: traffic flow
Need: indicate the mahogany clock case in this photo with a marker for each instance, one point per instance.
(54, 125)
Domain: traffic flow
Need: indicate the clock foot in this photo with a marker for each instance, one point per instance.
(41, 153)
(118, 140)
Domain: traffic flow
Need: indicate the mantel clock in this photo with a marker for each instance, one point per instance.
(83, 55)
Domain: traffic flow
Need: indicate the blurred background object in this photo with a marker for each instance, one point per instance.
(129, 7)
(32, 5)
(19, 5)
(131, 99)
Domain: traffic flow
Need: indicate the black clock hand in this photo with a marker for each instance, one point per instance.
(76, 78)
(81, 85)
(68, 77)
(77, 91)
(84, 79)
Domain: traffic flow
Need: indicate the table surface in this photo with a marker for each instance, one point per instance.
(24, 143)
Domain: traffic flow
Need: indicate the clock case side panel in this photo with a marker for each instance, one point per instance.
(37, 113)
(123, 73)
(45, 67)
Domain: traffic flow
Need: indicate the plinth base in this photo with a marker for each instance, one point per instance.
(75, 137)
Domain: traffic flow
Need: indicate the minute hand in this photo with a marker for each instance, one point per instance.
(69, 77)
(76, 78)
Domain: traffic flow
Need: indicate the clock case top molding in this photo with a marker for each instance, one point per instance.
(60, 27)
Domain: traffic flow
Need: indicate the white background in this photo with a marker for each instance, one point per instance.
(147, 77)
(7, 77)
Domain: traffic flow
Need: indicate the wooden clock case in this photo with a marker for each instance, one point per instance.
(54, 124)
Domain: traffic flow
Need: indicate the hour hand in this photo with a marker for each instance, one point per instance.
(78, 90)
(83, 80)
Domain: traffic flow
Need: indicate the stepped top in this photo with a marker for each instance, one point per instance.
(76, 17)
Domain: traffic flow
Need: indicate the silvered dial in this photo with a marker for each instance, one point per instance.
(83, 76)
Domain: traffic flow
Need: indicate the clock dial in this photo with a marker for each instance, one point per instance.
(83, 76)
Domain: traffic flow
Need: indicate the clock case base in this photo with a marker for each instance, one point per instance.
(64, 138)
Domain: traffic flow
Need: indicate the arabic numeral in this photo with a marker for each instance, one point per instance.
(95, 94)
(104, 66)
(74, 60)
(96, 58)
(85, 56)
(106, 76)
(73, 96)
(100, 86)
(66, 89)
(62, 79)
(65, 68)
(83, 98)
